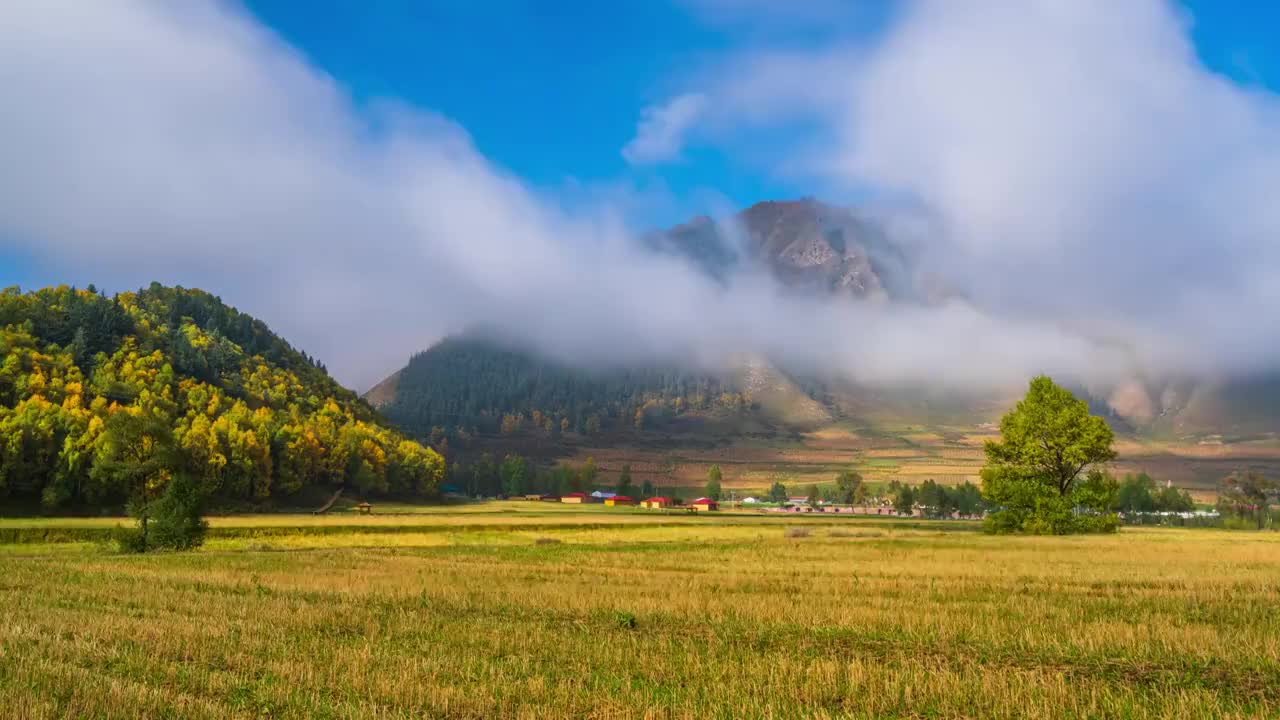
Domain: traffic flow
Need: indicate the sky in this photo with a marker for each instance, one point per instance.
(368, 177)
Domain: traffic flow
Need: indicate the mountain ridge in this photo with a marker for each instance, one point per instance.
(811, 247)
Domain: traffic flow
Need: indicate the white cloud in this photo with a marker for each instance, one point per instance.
(184, 143)
(1082, 165)
(661, 133)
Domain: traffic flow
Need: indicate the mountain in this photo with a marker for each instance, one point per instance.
(805, 244)
(91, 384)
(812, 248)
(808, 246)
(475, 382)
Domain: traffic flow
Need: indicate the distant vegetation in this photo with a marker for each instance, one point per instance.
(103, 400)
(1248, 497)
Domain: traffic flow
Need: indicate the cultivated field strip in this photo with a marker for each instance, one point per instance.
(686, 621)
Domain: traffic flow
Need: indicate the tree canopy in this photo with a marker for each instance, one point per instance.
(849, 487)
(1033, 473)
(712, 490)
(98, 394)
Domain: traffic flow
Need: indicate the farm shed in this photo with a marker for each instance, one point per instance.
(575, 498)
(704, 504)
(619, 500)
(657, 503)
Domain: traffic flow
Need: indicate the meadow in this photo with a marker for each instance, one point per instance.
(492, 611)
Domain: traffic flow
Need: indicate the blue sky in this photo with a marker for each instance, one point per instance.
(552, 91)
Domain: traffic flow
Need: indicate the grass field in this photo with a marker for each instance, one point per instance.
(617, 616)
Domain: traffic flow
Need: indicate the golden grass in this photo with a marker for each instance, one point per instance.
(724, 619)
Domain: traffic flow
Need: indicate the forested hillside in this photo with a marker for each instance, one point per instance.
(94, 390)
(471, 383)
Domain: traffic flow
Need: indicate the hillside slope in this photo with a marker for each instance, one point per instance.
(476, 383)
(90, 385)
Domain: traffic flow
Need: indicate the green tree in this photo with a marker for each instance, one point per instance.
(1248, 495)
(849, 487)
(624, 481)
(587, 474)
(563, 478)
(177, 517)
(646, 488)
(778, 493)
(1172, 499)
(1033, 472)
(904, 500)
(937, 501)
(138, 452)
(514, 473)
(968, 499)
(1135, 494)
(812, 496)
(712, 490)
(488, 482)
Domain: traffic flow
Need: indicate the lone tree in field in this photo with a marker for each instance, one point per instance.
(713, 483)
(1033, 473)
(849, 487)
(138, 451)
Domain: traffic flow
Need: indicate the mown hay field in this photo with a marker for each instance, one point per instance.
(733, 617)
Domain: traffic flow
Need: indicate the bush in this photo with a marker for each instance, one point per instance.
(129, 540)
(174, 522)
(1050, 519)
(797, 532)
(1003, 522)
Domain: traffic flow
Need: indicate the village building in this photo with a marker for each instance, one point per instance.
(602, 494)
(619, 500)
(704, 505)
(657, 503)
(575, 498)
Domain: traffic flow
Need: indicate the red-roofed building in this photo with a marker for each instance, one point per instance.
(704, 505)
(619, 500)
(657, 503)
(575, 498)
